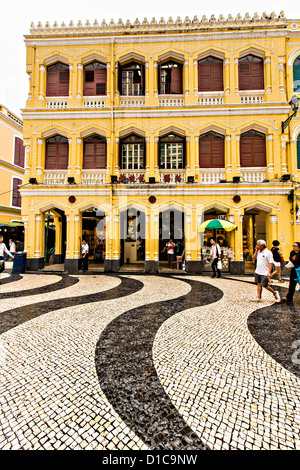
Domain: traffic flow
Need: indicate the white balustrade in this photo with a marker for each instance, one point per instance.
(94, 102)
(132, 101)
(170, 100)
(251, 97)
(210, 98)
(55, 177)
(211, 175)
(132, 176)
(57, 103)
(171, 176)
(253, 175)
(93, 177)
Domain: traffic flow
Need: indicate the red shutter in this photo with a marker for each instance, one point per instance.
(246, 152)
(216, 77)
(56, 156)
(210, 77)
(259, 151)
(205, 156)
(63, 83)
(176, 80)
(88, 87)
(100, 79)
(16, 200)
(50, 161)
(244, 76)
(218, 153)
(211, 152)
(62, 155)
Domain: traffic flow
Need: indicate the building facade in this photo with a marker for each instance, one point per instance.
(11, 166)
(145, 130)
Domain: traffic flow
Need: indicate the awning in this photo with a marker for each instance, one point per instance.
(12, 224)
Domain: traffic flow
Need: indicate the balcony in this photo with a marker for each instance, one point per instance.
(57, 102)
(132, 101)
(93, 177)
(211, 175)
(171, 176)
(93, 102)
(55, 177)
(132, 176)
(210, 98)
(253, 175)
(170, 101)
(251, 96)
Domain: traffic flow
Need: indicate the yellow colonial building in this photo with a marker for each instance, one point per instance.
(138, 132)
(11, 168)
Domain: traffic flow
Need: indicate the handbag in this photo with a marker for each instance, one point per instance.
(219, 265)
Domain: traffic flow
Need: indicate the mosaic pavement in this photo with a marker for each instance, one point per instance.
(144, 362)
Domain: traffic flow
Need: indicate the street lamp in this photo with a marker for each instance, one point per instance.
(294, 104)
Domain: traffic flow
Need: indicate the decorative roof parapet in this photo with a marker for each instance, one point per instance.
(265, 20)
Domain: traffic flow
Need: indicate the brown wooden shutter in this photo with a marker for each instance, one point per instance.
(63, 83)
(211, 152)
(159, 76)
(100, 80)
(253, 151)
(56, 155)
(16, 199)
(52, 80)
(19, 155)
(100, 154)
(62, 155)
(257, 75)
(216, 83)
(88, 86)
(203, 77)
(119, 78)
(176, 80)
(244, 76)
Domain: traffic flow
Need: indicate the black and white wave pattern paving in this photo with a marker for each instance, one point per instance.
(138, 362)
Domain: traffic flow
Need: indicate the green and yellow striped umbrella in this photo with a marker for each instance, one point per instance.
(216, 224)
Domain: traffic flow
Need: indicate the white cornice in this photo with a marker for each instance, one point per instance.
(263, 109)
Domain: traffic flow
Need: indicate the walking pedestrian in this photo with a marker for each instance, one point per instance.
(277, 257)
(85, 255)
(3, 249)
(215, 255)
(264, 264)
(12, 246)
(295, 260)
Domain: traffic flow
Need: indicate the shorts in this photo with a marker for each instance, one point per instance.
(277, 263)
(261, 279)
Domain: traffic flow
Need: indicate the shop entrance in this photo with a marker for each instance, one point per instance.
(55, 236)
(132, 237)
(94, 231)
(254, 228)
(171, 226)
(222, 237)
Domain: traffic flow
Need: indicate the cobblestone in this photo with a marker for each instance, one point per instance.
(218, 381)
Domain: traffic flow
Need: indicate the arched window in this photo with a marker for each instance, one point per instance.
(132, 153)
(94, 79)
(57, 80)
(251, 73)
(171, 152)
(210, 74)
(94, 152)
(211, 150)
(296, 75)
(170, 78)
(253, 149)
(131, 79)
(57, 153)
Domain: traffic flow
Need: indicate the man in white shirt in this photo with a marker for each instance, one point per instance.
(3, 250)
(12, 246)
(264, 264)
(85, 255)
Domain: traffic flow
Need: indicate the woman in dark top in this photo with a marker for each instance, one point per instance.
(277, 260)
(295, 259)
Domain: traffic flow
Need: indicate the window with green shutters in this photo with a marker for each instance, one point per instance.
(296, 76)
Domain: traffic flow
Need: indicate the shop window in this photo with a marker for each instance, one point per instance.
(251, 73)
(94, 152)
(57, 153)
(296, 75)
(131, 79)
(16, 196)
(57, 80)
(94, 79)
(210, 74)
(172, 152)
(19, 152)
(170, 78)
(211, 150)
(253, 149)
(132, 153)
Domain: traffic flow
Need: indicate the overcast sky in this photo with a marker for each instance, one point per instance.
(17, 16)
